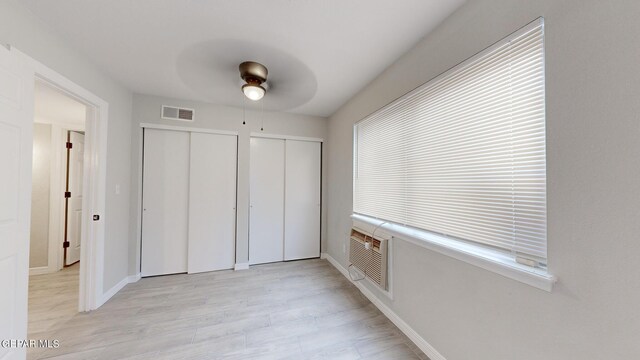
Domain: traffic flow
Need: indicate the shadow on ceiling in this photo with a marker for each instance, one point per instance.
(210, 70)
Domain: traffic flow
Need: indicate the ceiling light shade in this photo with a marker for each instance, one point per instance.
(254, 74)
(253, 92)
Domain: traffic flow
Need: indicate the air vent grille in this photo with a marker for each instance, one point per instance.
(177, 113)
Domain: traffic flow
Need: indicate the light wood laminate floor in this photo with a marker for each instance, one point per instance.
(293, 310)
(53, 299)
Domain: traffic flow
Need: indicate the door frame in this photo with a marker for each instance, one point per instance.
(285, 137)
(94, 192)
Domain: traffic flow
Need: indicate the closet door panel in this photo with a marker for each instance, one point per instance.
(165, 202)
(212, 202)
(302, 200)
(266, 212)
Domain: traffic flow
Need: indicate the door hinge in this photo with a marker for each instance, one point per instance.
(65, 244)
(69, 145)
(67, 194)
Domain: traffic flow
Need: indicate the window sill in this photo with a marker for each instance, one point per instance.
(488, 259)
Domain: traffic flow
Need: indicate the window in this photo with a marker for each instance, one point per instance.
(464, 154)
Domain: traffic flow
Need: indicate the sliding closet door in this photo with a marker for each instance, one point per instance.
(266, 230)
(165, 202)
(212, 202)
(302, 200)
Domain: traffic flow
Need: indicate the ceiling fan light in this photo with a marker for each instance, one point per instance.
(253, 92)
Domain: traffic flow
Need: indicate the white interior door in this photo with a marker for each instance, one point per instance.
(165, 202)
(16, 129)
(302, 200)
(74, 203)
(266, 212)
(212, 202)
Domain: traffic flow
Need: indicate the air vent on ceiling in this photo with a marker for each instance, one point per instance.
(176, 113)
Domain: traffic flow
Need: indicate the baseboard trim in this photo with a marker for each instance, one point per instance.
(117, 287)
(114, 290)
(323, 255)
(426, 348)
(39, 270)
(241, 266)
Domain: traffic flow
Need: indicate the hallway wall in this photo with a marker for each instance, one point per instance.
(39, 247)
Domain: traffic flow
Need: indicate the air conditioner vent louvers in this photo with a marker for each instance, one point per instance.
(185, 114)
(373, 261)
(176, 113)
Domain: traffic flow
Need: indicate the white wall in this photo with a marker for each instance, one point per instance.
(593, 147)
(22, 29)
(41, 167)
(146, 109)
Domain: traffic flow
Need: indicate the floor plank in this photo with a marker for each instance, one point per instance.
(293, 310)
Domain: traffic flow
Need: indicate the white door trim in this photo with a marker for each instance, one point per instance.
(187, 128)
(138, 213)
(16, 132)
(95, 170)
(285, 137)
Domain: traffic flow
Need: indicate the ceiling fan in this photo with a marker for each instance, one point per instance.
(255, 76)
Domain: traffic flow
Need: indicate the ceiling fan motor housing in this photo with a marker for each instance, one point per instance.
(253, 72)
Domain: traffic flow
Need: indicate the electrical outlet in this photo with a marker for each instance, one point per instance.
(117, 189)
(344, 248)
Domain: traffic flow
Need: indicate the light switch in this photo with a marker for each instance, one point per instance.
(117, 189)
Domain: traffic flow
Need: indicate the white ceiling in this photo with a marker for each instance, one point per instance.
(52, 106)
(319, 53)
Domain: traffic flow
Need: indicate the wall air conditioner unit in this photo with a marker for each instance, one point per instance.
(370, 256)
(177, 113)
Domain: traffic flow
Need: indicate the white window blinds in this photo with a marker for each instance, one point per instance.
(464, 154)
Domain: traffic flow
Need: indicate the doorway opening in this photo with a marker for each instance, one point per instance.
(58, 179)
(18, 75)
